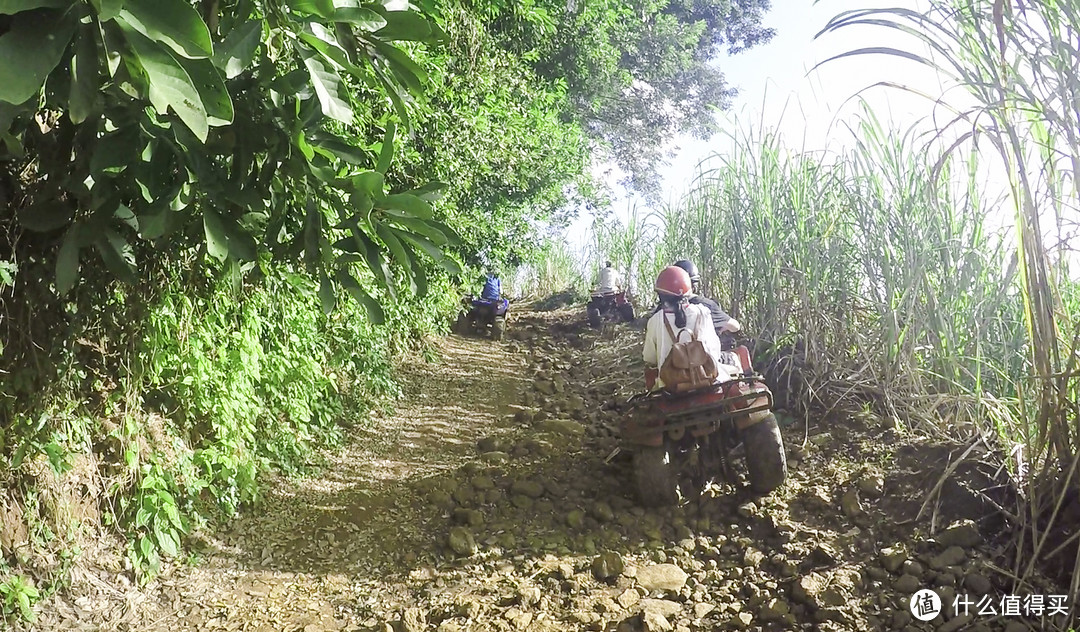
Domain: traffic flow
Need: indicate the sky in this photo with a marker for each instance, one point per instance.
(777, 89)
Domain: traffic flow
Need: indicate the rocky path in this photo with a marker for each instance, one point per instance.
(484, 503)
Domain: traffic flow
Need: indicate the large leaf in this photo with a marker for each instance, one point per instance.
(421, 227)
(116, 253)
(67, 261)
(29, 51)
(433, 251)
(83, 97)
(113, 152)
(370, 182)
(11, 7)
(327, 296)
(236, 53)
(321, 8)
(353, 12)
(374, 310)
(409, 204)
(386, 153)
(45, 216)
(406, 25)
(331, 146)
(170, 85)
(408, 72)
(398, 251)
(217, 242)
(107, 9)
(332, 92)
(174, 23)
(215, 97)
(321, 39)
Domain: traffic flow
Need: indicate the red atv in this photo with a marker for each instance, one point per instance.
(609, 303)
(683, 441)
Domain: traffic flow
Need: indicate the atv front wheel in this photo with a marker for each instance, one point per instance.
(498, 328)
(626, 312)
(594, 316)
(655, 478)
(766, 461)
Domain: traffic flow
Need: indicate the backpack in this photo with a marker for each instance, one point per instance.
(688, 366)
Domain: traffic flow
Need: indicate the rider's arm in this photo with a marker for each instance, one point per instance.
(650, 354)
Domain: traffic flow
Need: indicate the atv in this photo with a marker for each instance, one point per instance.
(482, 315)
(608, 303)
(681, 442)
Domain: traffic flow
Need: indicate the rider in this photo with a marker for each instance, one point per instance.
(723, 323)
(674, 289)
(492, 287)
(610, 279)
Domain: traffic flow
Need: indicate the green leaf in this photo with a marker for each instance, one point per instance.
(115, 252)
(107, 9)
(405, 25)
(331, 90)
(376, 263)
(432, 191)
(420, 226)
(11, 7)
(396, 99)
(113, 152)
(408, 72)
(374, 310)
(313, 229)
(45, 216)
(166, 540)
(214, 95)
(30, 49)
(410, 204)
(370, 182)
(174, 23)
(386, 155)
(353, 12)
(321, 8)
(237, 51)
(170, 85)
(333, 147)
(433, 251)
(393, 244)
(327, 296)
(67, 262)
(217, 242)
(321, 39)
(83, 97)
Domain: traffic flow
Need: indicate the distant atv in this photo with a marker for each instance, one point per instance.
(609, 304)
(482, 315)
(683, 441)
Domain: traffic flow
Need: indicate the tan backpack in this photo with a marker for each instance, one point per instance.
(688, 366)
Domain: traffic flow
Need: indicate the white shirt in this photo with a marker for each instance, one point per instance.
(610, 279)
(658, 342)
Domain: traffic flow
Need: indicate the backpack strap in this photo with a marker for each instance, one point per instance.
(671, 332)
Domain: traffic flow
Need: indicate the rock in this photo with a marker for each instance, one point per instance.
(823, 555)
(655, 622)
(963, 534)
(547, 387)
(532, 489)
(850, 504)
(911, 567)
(978, 583)
(1016, 626)
(743, 620)
(521, 501)
(752, 557)
(951, 556)
(661, 606)
(956, 623)
(747, 510)
(471, 517)
(893, 557)
(462, 542)
(564, 427)
(442, 500)
(607, 565)
(872, 485)
(449, 626)
(490, 444)
(575, 519)
(415, 620)
(774, 610)
(602, 512)
(529, 595)
(901, 619)
(702, 610)
(628, 598)
(819, 591)
(482, 483)
(660, 577)
(907, 584)
(495, 456)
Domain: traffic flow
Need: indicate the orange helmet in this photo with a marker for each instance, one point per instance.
(673, 281)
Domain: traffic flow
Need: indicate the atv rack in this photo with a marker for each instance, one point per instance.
(706, 412)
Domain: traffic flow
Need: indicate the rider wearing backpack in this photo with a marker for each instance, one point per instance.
(680, 341)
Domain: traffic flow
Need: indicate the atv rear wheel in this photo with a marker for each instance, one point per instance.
(766, 461)
(594, 316)
(498, 327)
(626, 312)
(461, 325)
(655, 478)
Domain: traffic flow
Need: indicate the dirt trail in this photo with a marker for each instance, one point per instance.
(483, 503)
